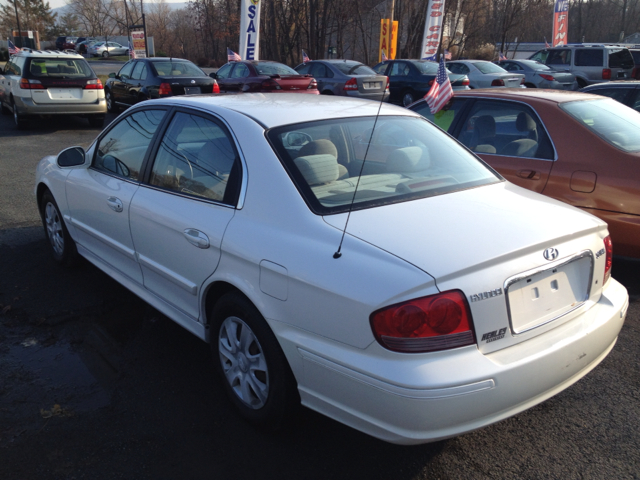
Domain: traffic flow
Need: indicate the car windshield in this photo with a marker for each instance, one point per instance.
(354, 68)
(178, 69)
(59, 68)
(488, 67)
(429, 68)
(343, 163)
(273, 68)
(618, 125)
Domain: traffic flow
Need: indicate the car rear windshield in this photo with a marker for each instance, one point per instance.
(354, 68)
(274, 69)
(59, 68)
(621, 58)
(488, 67)
(618, 125)
(429, 68)
(365, 162)
(178, 69)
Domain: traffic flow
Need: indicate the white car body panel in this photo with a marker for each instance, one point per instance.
(280, 255)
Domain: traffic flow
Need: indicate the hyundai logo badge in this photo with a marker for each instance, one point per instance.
(551, 253)
(193, 81)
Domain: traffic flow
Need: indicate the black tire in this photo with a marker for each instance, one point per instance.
(4, 109)
(530, 85)
(105, 54)
(581, 83)
(327, 92)
(111, 103)
(63, 248)
(259, 383)
(96, 122)
(21, 121)
(408, 97)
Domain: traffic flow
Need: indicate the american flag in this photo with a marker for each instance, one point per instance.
(233, 56)
(501, 57)
(441, 91)
(132, 52)
(305, 57)
(546, 44)
(12, 48)
(447, 55)
(384, 57)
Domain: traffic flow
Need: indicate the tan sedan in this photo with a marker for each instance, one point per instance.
(578, 148)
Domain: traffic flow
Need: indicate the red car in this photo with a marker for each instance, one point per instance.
(263, 76)
(579, 148)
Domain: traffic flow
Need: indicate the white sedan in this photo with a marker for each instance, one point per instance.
(343, 254)
(483, 74)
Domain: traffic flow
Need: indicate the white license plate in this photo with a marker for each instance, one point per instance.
(540, 297)
(372, 84)
(191, 90)
(65, 93)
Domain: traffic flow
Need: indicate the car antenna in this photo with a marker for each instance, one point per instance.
(338, 253)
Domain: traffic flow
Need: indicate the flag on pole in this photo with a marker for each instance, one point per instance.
(233, 56)
(546, 44)
(441, 91)
(12, 48)
(384, 56)
(132, 52)
(501, 57)
(447, 55)
(305, 57)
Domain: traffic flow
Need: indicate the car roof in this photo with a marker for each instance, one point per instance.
(165, 59)
(48, 53)
(528, 94)
(276, 109)
(614, 84)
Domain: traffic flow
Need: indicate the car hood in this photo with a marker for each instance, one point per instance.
(455, 234)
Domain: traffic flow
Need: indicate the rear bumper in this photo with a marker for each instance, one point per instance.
(412, 399)
(26, 106)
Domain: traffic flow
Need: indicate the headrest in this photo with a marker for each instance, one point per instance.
(318, 169)
(319, 147)
(408, 159)
(485, 125)
(524, 122)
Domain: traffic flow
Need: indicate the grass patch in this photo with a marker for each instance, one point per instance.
(103, 78)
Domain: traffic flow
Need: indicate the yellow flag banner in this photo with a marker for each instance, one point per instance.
(388, 39)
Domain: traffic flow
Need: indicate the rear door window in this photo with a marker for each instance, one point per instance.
(559, 57)
(621, 58)
(505, 128)
(589, 57)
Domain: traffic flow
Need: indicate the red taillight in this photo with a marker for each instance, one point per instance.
(606, 74)
(547, 77)
(216, 87)
(313, 85)
(465, 82)
(27, 84)
(352, 84)
(387, 87)
(608, 247)
(498, 82)
(94, 85)
(165, 89)
(271, 84)
(427, 324)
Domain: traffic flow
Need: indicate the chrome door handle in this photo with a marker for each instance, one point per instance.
(197, 238)
(115, 204)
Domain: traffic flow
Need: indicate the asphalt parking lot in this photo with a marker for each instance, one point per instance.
(96, 384)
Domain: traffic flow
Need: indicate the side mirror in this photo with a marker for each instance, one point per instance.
(112, 75)
(213, 75)
(71, 157)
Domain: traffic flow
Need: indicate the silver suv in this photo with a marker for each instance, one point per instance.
(38, 82)
(588, 62)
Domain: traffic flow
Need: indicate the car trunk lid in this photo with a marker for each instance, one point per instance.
(188, 86)
(292, 82)
(490, 242)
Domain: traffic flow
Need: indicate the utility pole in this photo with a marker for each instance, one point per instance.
(144, 29)
(15, 6)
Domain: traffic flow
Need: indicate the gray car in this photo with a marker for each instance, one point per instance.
(483, 74)
(347, 78)
(538, 75)
(106, 49)
(590, 63)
